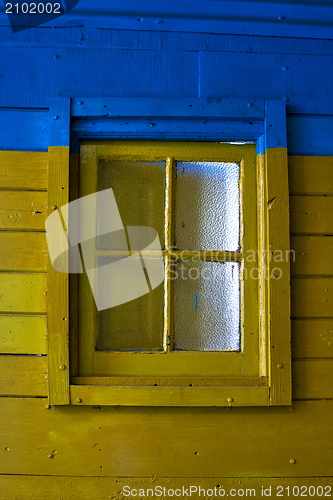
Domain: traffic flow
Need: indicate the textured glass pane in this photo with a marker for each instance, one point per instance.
(206, 306)
(136, 324)
(138, 187)
(207, 206)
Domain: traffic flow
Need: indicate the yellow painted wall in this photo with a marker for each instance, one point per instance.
(92, 452)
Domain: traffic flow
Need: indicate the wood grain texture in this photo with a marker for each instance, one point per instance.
(312, 298)
(23, 170)
(312, 256)
(279, 283)
(310, 175)
(58, 287)
(312, 379)
(312, 338)
(22, 251)
(311, 215)
(22, 293)
(169, 396)
(23, 210)
(138, 442)
(23, 376)
(23, 334)
(13, 487)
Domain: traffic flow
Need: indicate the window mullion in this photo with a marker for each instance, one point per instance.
(168, 245)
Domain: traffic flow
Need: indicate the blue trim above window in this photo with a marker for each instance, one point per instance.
(212, 119)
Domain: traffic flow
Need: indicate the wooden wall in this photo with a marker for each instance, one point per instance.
(91, 453)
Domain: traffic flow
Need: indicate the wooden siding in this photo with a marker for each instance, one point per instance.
(91, 452)
(23, 280)
(88, 441)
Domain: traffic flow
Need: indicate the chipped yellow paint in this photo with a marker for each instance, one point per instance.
(23, 170)
(23, 210)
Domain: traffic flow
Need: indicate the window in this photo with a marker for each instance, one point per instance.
(193, 281)
(201, 201)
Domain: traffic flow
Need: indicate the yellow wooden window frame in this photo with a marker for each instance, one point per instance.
(92, 363)
(271, 386)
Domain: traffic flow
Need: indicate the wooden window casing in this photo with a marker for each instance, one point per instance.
(260, 373)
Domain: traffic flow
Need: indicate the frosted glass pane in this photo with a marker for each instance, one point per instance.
(134, 325)
(207, 206)
(206, 306)
(138, 187)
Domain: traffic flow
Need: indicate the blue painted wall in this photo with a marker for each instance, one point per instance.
(42, 62)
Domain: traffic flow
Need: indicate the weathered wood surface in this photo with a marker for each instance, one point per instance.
(23, 170)
(312, 256)
(108, 441)
(22, 293)
(22, 251)
(310, 175)
(311, 297)
(169, 396)
(311, 215)
(58, 288)
(279, 289)
(312, 338)
(23, 376)
(23, 210)
(312, 379)
(23, 334)
(13, 487)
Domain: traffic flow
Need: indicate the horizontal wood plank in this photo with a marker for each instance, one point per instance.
(23, 376)
(129, 442)
(312, 379)
(23, 170)
(310, 174)
(23, 210)
(312, 338)
(311, 214)
(311, 298)
(23, 487)
(169, 396)
(22, 251)
(312, 255)
(22, 293)
(23, 334)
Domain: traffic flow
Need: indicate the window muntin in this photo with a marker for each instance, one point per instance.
(207, 353)
(214, 119)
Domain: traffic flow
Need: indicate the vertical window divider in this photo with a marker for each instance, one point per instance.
(168, 244)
